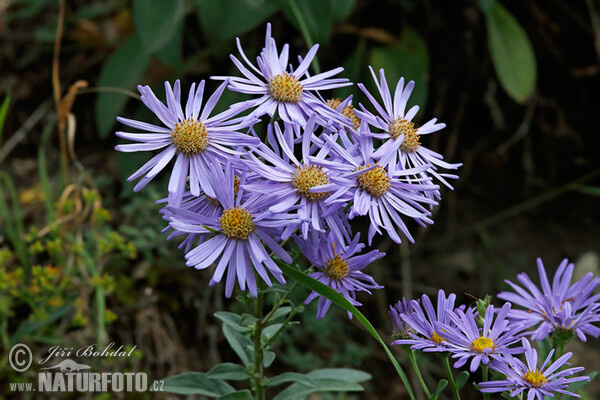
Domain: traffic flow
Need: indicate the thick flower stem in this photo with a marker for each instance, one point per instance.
(415, 366)
(258, 365)
(484, 369)
(451, 377)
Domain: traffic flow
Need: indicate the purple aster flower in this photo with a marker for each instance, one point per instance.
(338, 267)
(546, 380)
(192, 137)
(286, 91)
(398, 126)
(400, 329)
(560, 306)
(466, 340)
(376, 186)
(236, 245)
(425, 336)
(291, 179)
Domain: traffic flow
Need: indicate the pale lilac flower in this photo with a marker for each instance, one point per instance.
(562, 306)
(291, 179)
(537, 382)
(466, 340)
(375, 185)
(192, 137)
(285, 91)
(397, 125)
(236, 245)
(425, 336)
(400, 328)
(339, 267)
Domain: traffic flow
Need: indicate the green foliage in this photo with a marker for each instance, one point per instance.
(407, 58)
(196, 383)
(512, 53)
(157, 21)
(3, 112)
(123, 69)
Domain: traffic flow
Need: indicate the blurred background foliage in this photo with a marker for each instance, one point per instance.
(82, 259)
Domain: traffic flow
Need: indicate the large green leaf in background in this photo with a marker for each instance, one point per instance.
(157, 21)
(316, 14)
(123, 69)
(223, 20)
(407, 58)
(512, 53)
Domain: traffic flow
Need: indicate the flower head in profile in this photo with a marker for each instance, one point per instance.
(339, 267)
(536, 381)
(400, 328)
(465, 340)
(396, 124)
(559, 307)
(239, 234)
(189, 135)
(282, 90)
(425, 336)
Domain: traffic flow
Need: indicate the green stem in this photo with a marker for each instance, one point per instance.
(258, 366)
(484, 368)
(305, 32)
(279, 304)
(446, 359)
(415, 366)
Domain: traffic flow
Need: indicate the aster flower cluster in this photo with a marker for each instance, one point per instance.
(238, 190)
(486, 336)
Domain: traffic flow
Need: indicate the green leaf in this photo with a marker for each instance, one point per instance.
(299, 390)
(239, 343)
(157, 21)
(228, 371)
(440, 388)
(512, 53)
(340, 374)
(196, 383)
(316, 14)
(291, 377)
(462, 378)
(354, 69)
(591, 190)
(268, 358)
(223, 20)
(270, 330)
(341, 301)
(170, 54)
(239, 395)
(231, 319)
(123, 69)
(407, 58)
(341, 9)
(280, 314)
(3, 113)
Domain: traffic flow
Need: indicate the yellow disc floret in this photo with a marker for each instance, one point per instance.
(190, 137)
(437, 339)
(237, 223)
(348, 111)
(308, 176)
(285, 88)
(376, 181)
(482, 343)
(411, 137)
(336, 267)
(535, 379)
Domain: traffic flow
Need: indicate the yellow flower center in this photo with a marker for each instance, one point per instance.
(376, 181)
(236, 223)
(482, 343)
(236, 189)
(348, 111)
(309, 176)
(285, 88)
(535, 379)
(336, 267)
(411, 137)
(190, 137)
(437, 339)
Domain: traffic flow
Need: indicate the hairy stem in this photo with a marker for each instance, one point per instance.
(484, 369)
(451, 377)
(415, 366)
(258, 365)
